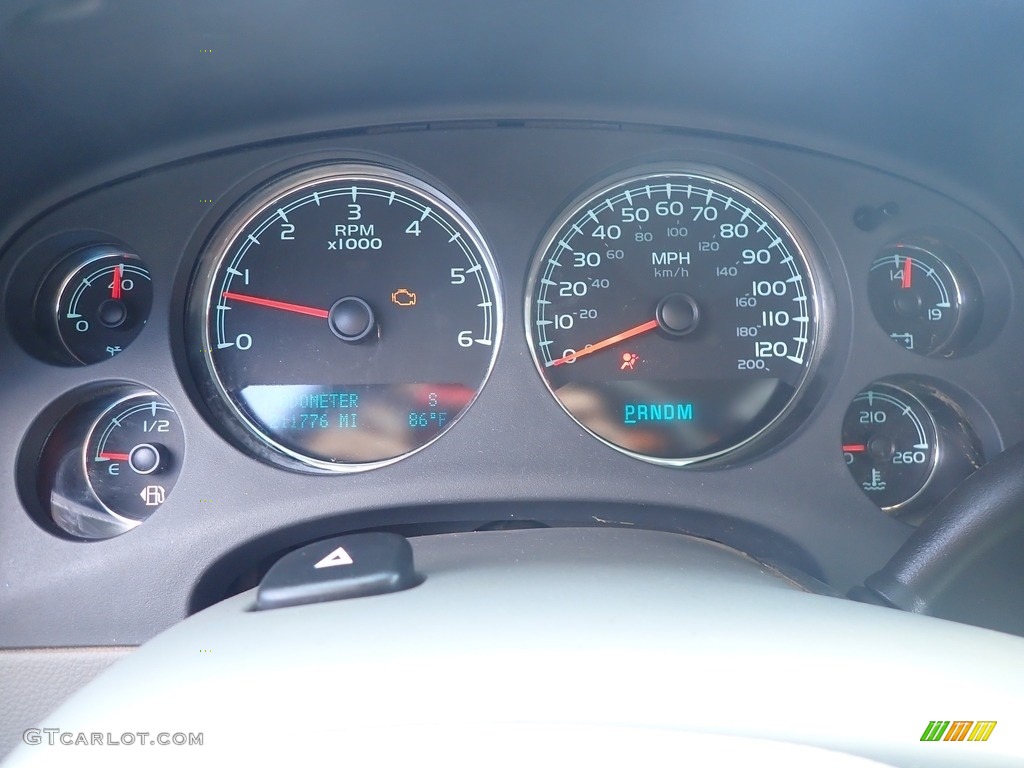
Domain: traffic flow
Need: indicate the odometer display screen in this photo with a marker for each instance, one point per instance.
(673, 314)
(344, 317)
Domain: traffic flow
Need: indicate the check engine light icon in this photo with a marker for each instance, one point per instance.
(403, 297)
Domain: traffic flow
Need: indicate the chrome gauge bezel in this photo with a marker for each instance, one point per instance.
(929, 425)
(808, 251)
(962, 295)
(104, 419)
(226, 412)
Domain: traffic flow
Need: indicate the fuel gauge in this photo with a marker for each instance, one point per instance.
(926, 300)
(109, 462)
(133, 455)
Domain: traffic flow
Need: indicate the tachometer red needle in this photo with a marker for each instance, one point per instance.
(115, 288)
(114, 456)
(650, 325)
(907, 272)
(854, 448)
(297, 308)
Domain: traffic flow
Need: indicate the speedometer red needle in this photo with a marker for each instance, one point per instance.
(907, 272)
(854, 448)
(650, 325)
(115, 288)
(297, 308)
(114, 456)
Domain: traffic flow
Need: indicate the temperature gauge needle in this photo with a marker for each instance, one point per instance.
(115, 287)
(284, 305)
(907, 272)
(650, 325)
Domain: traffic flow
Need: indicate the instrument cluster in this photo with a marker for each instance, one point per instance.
(341, 310)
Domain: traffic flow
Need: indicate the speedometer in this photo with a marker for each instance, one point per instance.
(674, 315)
(343, 317)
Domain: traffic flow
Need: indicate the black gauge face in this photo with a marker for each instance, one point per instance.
(133, 455)
(890, 445)
(673, 315)
(345, 317)
(923, 303)
(100, 302)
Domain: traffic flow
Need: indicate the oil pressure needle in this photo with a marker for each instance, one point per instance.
(115, 288)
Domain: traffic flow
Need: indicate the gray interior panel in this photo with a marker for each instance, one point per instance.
(576, 628)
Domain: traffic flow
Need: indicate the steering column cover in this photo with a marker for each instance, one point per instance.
(542, 634)
(961, 530)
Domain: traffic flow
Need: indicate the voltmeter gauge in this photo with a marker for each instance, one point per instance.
(927, 300)
(907, 445)
(95, 302)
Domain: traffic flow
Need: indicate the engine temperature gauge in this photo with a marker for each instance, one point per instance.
(926, 302)
(889, 441)
(907, 445)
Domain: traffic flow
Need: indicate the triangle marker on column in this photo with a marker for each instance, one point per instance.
(337, 557)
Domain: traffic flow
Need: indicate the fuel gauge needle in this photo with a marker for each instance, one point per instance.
(114, 456)
(650, 325)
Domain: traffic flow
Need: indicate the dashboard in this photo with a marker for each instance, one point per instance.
(747, 273)
(228, 465)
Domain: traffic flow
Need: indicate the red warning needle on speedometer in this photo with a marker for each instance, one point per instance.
(650, 325)
(300, 309)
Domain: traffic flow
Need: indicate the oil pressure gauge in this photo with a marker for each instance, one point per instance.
(95, 303)
(927, 300)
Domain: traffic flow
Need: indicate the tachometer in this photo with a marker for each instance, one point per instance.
(673, 314)
(344, 317)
